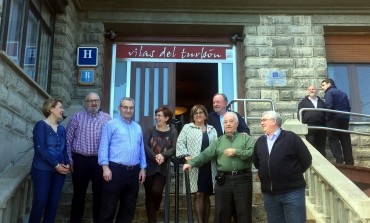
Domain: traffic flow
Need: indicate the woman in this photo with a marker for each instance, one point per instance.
(194, 138)
(160, 142)
(50, 163)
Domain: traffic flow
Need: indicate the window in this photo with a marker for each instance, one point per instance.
(354, 79)
(28, 37)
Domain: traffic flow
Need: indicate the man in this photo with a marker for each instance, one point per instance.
(215, 118)
(83, 138)
(281, 158)
(338, 100)
(122, 157)
(316, 137)
(233, 153)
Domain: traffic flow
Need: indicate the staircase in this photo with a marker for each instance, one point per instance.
(258, 212)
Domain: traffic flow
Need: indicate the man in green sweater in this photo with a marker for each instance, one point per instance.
(233, 153)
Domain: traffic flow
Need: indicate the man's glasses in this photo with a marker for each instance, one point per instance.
(127, 108)
(93, 101)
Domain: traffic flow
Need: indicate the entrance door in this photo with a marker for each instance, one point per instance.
(152, 85)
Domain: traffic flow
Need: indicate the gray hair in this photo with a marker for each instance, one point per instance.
(127, 99)
(274, 115)
(233, 114)
(91, 93)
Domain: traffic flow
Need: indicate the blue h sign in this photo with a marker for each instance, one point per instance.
(87, 56)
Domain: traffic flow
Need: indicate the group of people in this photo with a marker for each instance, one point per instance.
(335, 99)
(116, 156)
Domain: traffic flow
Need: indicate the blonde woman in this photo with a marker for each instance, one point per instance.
(194, 138)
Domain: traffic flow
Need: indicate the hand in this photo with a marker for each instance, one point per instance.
(188, 158)
(159, 158)
(62, 169)
(107, 173)
(186, 167)
(229, 152)
(142, 176)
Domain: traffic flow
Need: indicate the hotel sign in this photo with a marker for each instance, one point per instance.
(194, 52)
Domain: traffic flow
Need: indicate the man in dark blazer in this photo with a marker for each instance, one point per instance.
(215, 118)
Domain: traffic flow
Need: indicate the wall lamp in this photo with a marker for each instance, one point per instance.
(111, 35)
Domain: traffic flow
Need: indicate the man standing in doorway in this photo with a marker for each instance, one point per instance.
(83, 138)
(233, 153)
(316, 137)
(281, 158)
(336, 99)
(122, 157)
(215, 118)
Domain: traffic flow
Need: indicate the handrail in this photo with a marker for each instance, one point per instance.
(188, 197)
(333, 111)
(177, 161)
(167, 194)
(232, 105)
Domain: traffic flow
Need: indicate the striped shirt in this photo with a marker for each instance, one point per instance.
(84, 132)
(122, 142)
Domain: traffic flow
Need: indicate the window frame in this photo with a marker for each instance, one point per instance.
(43, 27)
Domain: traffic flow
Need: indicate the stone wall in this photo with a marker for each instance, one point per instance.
(289, 44)
(74, 30)
(20, 102)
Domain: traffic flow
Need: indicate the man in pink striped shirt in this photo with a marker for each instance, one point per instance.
(83, 138)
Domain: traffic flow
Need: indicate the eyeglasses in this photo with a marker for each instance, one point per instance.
(199, 113)
(93, 101)
(265, 119)
(127, 108)
(159, 115)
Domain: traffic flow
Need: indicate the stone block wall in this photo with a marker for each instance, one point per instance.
(289, 44)
(73, 30)
(20, 108)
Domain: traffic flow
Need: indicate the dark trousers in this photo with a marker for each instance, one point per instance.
(340, 142)
(236, 190)
(153, 195)
(47, 186)
(85, 168)
(317, 138)
(123, 188)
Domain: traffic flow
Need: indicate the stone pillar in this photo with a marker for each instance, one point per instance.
(295, 126)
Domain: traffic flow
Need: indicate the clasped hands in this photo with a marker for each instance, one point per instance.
(159, 158)
(63, 168)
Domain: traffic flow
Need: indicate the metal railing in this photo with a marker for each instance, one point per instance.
(176, 163)
(336, 112)
(233, 105)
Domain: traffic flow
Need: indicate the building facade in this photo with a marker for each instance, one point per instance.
(177, 53)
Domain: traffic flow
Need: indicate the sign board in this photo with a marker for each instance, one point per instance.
(275, 78)
(30, 55)
(87, 56)
(86, 76)
(175, 51)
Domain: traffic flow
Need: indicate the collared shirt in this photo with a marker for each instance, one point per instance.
(314, 101)
(243, 145)
(271, 141)
(84, 133)
(222, 122)
(122, 142)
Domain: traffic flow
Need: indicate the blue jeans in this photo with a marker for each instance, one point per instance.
(288, 207)
(47, 186)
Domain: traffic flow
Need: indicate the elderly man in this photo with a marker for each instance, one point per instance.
(83, 138)
(215, 118)
(233, 153)
(281, 158)
(316, 137)
(122, 157)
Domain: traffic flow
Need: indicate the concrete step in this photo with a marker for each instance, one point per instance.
(66, 198)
